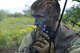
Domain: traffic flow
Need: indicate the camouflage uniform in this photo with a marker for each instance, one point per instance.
(67, 41)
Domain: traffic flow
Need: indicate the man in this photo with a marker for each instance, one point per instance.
(46, 14)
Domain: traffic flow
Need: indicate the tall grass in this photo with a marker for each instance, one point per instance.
(11, 30)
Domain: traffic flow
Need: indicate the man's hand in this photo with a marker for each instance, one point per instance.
(42, 44)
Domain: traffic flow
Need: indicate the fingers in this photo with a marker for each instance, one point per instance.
(38, 48)
(44, 41)
(39, 44)
(45, 36)
(42, 35)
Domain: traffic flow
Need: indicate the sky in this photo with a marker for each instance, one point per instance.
(20, 5)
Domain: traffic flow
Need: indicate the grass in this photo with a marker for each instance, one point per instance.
(10, 28)
(15, 23)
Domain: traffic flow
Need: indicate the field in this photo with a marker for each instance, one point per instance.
(13, 29)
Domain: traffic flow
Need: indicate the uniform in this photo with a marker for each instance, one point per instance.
(67, 41)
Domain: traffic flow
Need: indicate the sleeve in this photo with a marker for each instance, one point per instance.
(75, 46)
(27, 40)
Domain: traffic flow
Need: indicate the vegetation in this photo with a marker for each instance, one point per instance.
(72, 18)
(13, 29)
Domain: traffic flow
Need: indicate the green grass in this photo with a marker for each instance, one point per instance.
(15, 23)
(10, 35)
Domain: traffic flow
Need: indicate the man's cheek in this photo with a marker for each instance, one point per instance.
(49, 22)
